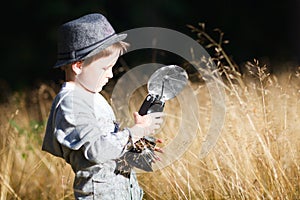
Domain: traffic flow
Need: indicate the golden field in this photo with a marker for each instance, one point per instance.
(257, 155)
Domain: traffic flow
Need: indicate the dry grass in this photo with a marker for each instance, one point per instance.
(257, 155)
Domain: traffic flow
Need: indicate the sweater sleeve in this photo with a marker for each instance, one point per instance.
(77, 128)
(107, 147)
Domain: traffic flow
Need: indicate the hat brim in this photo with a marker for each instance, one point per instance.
(110, 41)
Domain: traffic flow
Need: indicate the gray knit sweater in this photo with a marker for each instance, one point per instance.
(81, 129)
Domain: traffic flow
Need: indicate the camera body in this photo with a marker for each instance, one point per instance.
(152, 103)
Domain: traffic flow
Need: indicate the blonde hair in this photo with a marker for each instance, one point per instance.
(119, 46)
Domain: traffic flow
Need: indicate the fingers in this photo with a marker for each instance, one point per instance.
(155, 126)
(156, 115)
(157, 118)
(147, 123)
(158, 121)
(159, 141)
(158, 149)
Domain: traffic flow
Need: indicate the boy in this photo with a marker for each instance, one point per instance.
(81, 127)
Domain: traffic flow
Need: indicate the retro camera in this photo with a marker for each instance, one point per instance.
(164, 84)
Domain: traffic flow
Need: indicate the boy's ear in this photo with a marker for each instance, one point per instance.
(77, 67)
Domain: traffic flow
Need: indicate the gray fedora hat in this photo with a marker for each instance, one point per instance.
(84, 37)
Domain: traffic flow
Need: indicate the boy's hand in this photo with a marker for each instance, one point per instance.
(146, 124)
(153, 120)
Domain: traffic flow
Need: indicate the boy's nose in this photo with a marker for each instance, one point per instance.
(110, 74)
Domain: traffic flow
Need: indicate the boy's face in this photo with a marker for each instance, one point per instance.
(96, 75)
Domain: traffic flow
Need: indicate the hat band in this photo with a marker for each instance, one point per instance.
(81, 52)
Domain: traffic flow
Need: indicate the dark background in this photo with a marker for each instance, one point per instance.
(261, 29)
